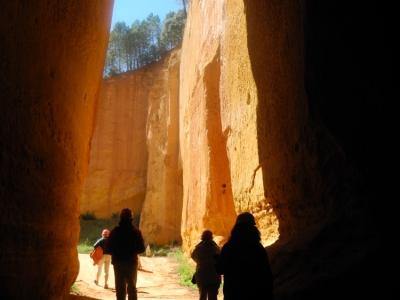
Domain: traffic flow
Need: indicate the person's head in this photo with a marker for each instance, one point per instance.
(125, 215)
(207, 235)
(245, 229)
(105, 233)
(245, 218)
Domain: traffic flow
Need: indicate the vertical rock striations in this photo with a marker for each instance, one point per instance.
(135, 150)
(118, 155)
(52, 54)
(207, 189)
(161, 214)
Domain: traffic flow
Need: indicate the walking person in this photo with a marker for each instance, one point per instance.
(125, 243)
(205, 255)
(105, 259)
(244, 263)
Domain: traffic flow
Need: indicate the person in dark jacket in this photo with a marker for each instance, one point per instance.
(207, 279)
(244, 263)
(125, 243)
(105, 259)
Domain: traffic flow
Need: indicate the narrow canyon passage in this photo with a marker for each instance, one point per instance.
(279, 108)
(159, 281)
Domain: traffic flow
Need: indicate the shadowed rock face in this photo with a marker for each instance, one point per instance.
(281, 114)
(320, 81)
(52, 55)
(293, 149)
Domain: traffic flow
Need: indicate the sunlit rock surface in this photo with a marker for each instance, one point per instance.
(207, 190)
(230, 130)
(118, 154)
(134, 151)
(52, 55)
(281, 113)
(162, 209)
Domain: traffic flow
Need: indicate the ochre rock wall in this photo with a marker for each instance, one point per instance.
(162, 209)
(311, 167)
(52, 55)
(118, 154)
(135, 150)
(207, 191)
(241, 142)
(286, 136)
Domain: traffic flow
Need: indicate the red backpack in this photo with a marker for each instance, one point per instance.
(96, 255)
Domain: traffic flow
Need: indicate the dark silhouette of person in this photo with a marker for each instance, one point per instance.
(244, 263)
(125, 243)
(207, 278)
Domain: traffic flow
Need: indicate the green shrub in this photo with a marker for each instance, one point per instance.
(185, 268)
(89, 215)
(161, 250)
(74, 289)
(91, 229)
(85, 247)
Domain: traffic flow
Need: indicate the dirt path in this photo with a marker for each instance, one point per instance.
(159, 282)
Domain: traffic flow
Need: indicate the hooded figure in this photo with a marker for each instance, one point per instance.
(244, 263)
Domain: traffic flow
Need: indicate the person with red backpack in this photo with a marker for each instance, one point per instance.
(101, 246)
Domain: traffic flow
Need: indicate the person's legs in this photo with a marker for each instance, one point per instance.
(120, 283)
(107, 262)
(212, 292)
(99, 269)
(131, 280)
(202, 292)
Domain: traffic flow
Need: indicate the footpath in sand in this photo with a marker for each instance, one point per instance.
(159, 280)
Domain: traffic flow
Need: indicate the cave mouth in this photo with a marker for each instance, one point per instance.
(126, 144)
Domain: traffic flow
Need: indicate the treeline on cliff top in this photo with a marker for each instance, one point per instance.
(144, 42)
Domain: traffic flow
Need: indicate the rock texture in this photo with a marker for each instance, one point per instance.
(52, 55)
(207, 189)
(255, 139)
(161, 214)
(282, 112)
(118, 154)
(134, 159)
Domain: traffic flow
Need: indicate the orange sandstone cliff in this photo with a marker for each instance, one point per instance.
(162, 209)
(134, 159)
(118, 155)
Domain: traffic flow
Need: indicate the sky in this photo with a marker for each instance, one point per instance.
(131, 10)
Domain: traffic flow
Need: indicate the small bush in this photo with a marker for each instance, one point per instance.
(75, 289)
(185, 269)
(88, 216)
(136, 220)
(85, 247)
(161, 250)
(91, 229)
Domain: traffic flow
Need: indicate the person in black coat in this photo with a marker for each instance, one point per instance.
(125, 243)
(244, 263)
(207, 278)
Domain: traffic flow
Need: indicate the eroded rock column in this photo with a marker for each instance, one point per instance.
(52, 56)
(162, 210)
(207, 190)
